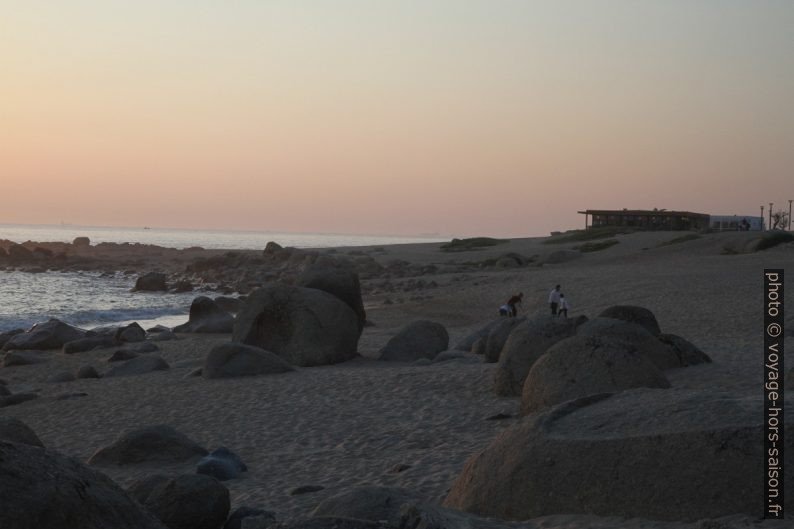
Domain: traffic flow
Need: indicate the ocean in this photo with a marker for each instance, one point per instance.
(89, 299)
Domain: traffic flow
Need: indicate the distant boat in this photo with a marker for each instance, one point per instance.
(146, 228)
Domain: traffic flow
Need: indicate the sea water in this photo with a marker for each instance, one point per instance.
(91, 299)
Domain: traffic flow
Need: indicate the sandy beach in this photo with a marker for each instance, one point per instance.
(359, 422)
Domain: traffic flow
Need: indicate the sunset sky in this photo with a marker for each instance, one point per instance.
(395, 117)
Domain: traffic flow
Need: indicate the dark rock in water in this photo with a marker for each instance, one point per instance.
(159, 443)
(122, 355)
(16, 431)
(399, 467)
(230, 305)
(88, 343)
(222, 464)
(40, 253)
(703, 446)
(5, 336)
(190, 501)
(272, 247)
(81, 242)
(151, 282)
(87, 372)
(304, 326)
(182, 286)
(328, 523)
(367, 502)
(688, 353)
(581, 366)
(131, 333)
(420, 339)
(49, 335)
(51, 491)
(340, 282)
(236, 518)
(639, 315)
(660, 354)
(157, 329)
(63, 376)
(19, 254)
(4, 391)
(17, 398)
(197, 372)
(139, 365)
(306, 489)
(206, 317)
(24, 358)
(527, 342)
(238, 360)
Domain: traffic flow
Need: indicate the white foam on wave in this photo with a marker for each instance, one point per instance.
(82, 299)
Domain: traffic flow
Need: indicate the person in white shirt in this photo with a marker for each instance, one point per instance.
(554, 299)
(564, 306)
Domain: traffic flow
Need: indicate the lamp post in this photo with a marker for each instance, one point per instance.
(762, 218)
(789, 214)
(770, 215)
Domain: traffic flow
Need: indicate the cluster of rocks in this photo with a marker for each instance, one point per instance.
(662, 454)
(598, 405)
(131, 357)
(317, 321)
(58, 492)
(36, 257)
(707, 443)
(547, 359)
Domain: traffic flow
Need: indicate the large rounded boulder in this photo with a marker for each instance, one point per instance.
(239, 360)
(587, 365)
(661, 355)
(420, 339)
(525, 344)
(42, 489)
(52, 334)
(189, 501)
(159, 443)
(657, 454)
(206, 316)
(688, 354)
(304, 326)
(633, 314)
(497, 338)
(340, 282)
(467, 343)
(16, 431)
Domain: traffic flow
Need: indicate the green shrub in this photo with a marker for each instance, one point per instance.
(683, 238)
(589, 234)
(474, 243)
(771, 239)
(596, 246)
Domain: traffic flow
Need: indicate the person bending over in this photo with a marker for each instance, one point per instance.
(513, 304)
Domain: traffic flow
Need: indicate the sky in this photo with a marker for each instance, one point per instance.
(401, 117)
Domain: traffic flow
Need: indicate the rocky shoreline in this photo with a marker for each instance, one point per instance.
(308, 401)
